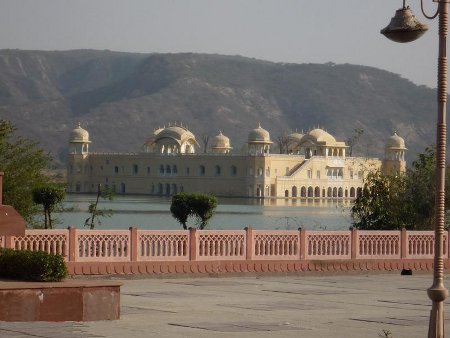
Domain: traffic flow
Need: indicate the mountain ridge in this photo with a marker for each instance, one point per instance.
(120, 98)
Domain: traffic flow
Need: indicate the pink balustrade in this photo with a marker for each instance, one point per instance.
(216, 245)
(379, 244)
(171, 245)
(276, 244)
(328, 244)
(204, 245)
(421, 244)
(105, 245)
(53, 241)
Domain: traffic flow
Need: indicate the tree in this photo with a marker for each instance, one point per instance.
(377, 207)
(400, 201)
(23, 164)
(201, 206)
(96, 213)
(205, 139)
(181, 208)
(49, 196)
(352, 141)
(204, 207)
(283, 144)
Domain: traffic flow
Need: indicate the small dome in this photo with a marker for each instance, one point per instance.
(220, 141)
(295, 137)
(259, 135)
(79, 135)
(395, 142)
(321, 135)
(179, 134)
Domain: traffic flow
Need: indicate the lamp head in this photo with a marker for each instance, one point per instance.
(404, 27)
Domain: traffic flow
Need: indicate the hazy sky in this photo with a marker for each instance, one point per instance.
(299, 31)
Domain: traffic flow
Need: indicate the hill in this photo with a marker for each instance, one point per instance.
(122, 97)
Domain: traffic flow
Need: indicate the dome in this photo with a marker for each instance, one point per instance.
(295, 137)
(79, 135)
(395, 142)
(320, 135)
(177, 133)
(259, 135)
(220, 141)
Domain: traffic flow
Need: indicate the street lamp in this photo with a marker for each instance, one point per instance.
(404, 27)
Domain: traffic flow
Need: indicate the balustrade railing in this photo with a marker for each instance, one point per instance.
(207, 245)
(162, 245)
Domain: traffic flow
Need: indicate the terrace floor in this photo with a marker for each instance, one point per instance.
(361, 305)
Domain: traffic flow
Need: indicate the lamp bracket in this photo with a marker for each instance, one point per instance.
(437, 11)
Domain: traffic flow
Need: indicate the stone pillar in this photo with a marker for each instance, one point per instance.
(192, 244)
(249, 243)
(354, 241)
(403, 244)
(72, 244)
(134, 244)
(303, 243)
(9, 242)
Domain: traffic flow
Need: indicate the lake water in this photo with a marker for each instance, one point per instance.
(148, 212)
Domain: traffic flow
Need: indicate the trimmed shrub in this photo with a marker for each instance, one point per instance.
(32, 265)
(201, 206)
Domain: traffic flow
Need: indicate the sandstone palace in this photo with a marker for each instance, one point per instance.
(315, 166)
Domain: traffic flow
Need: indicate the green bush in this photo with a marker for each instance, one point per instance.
(32, 265)
(201, 206)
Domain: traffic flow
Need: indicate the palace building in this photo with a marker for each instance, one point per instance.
(315, 166)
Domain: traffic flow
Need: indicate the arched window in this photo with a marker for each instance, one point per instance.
(116, 169)
(217, 170)
(317, 192)
(233, 170)
(168, 170)
(334, 192)
(358, 192)
(286, 193)
(310, 192)
(352, 192)
(303, 192)
(161, 169)
(174, 169)
(167, 189)
(201, 170)
(294, 191)
(340, 193)
(135, 169)
(329, 192)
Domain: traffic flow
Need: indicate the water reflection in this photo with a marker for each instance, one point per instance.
(148, 212)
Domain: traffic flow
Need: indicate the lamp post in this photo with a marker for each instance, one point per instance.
(404, 27)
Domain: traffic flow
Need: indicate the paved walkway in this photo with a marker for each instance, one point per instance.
(344, 306)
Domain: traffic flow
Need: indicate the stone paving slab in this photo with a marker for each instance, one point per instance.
(269, 306)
